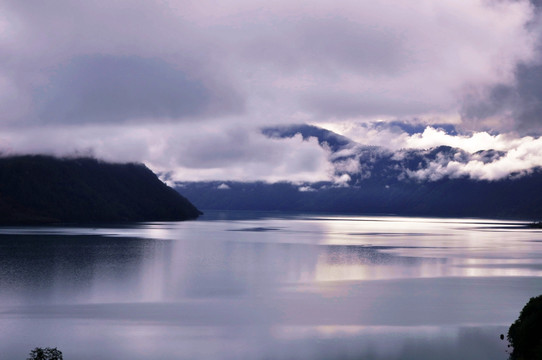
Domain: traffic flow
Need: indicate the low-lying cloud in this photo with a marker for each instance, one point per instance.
(519, 159)
(520, 155)
(185, 152)
(478, 155)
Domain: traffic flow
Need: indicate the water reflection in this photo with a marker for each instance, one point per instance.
(55, 268)
(267, 287)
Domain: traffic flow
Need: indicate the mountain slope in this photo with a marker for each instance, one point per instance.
(510, 198)
(42, 189)
(384, 182)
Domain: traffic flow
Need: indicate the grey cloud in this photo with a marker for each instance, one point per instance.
(536, 3)
(94, 61)
(517, 106)
(214, 150)
(328, 44)
(528, 99)
(110, 89)
(245, 148)
(329, 103)
(477, 107)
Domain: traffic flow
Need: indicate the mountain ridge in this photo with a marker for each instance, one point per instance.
(384, 182)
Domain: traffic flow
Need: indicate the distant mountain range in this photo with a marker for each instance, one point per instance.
(41, 189)
(373, 180)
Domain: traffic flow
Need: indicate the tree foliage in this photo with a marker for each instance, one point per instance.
(45, 354)
(525, 334)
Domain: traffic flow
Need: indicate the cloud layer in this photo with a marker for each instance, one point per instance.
(184, 86)
(230, 153)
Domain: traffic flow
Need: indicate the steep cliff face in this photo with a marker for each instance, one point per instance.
(44, 189)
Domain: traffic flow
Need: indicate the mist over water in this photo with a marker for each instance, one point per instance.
(271, 286)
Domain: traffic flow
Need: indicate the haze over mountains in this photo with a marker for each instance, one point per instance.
(374, 180)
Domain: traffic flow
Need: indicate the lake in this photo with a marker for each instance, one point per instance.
(268, 286)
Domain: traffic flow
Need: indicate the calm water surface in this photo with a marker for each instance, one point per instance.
(232, 286)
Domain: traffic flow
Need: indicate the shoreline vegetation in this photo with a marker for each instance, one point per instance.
(45, 354)
(40, 190)
(525, 334)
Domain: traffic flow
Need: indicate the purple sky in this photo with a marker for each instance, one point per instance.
(185, 86)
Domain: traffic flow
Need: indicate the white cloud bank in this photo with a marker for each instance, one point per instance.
(521, 156)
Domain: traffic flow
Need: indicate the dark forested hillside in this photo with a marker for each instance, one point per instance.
(43, 189)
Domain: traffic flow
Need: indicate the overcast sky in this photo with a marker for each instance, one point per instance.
(186, 86)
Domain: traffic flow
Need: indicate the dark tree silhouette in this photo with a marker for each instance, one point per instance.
(45, 354)
(525, 334)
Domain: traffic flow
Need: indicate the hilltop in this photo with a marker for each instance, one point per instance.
(38, 189)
